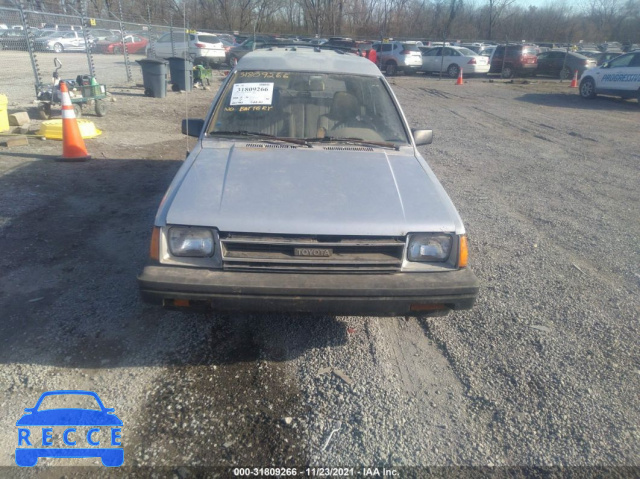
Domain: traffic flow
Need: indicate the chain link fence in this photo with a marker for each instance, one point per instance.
(31, 39)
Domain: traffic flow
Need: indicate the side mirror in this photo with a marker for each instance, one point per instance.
(422, 137)
(605, 65)
(192, 127)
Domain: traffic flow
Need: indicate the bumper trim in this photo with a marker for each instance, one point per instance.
(371, 294)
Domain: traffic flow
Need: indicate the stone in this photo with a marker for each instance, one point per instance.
(18, 119)
(17, 141)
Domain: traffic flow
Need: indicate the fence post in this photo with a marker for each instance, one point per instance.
(85, 35)
(127, 66)
(173, 45)
(30, 48)
(152, 36)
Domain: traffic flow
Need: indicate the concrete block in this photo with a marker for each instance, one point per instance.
(15, 141)
(19, 119)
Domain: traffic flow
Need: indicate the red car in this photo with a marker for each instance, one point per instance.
(134, 44)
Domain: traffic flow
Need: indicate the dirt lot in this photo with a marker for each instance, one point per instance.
(544, 371)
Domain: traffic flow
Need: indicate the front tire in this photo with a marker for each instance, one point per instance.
(101, 107)
(77, 109)
(58, 48)
(588, 88)
(453, 70)
(391, 69)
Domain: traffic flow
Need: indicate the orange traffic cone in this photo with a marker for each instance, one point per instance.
(574, 82)
(73, 148)
(460, 82)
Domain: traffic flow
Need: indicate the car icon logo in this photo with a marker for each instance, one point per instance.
(84, 432)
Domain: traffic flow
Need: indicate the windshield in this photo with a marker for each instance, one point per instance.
(308, 105)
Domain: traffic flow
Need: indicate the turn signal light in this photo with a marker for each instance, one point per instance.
(154, 250)
(463, 253)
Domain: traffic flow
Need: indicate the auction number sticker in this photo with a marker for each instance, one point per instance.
(252, 94)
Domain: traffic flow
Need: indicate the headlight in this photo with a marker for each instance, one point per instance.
(429, 247)
(193, 242)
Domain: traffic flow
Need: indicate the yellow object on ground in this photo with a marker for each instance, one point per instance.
(4, 115)
(52, 129)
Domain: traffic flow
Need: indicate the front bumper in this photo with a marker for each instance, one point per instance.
(357, 294)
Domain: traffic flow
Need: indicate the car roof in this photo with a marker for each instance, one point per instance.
(307, 59)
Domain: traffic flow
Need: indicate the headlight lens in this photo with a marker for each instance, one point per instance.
(193, 242)
(429, 247)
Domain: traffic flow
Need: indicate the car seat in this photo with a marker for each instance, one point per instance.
(345, 109)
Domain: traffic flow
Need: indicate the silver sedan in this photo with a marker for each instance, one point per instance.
(307, 192)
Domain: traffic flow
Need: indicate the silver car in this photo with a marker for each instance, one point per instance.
(306, 191)
(71, 41)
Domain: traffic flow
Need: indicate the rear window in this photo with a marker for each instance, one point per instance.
(208, 39)
(467, 52)
(411, 47)
(529, 51)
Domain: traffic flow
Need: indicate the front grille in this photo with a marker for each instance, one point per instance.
(243, 252)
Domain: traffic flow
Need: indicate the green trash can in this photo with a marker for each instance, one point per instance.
(154, 77)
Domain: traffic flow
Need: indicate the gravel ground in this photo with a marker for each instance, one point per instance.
(544, 371)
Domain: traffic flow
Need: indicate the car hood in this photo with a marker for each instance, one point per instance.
(309, 191)
(69, 417)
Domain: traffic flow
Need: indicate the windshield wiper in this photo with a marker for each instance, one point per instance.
(352, 141)
(266, 136)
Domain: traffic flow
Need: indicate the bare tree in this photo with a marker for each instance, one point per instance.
(496, 9)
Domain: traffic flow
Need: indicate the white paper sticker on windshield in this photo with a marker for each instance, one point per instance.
(252, 94)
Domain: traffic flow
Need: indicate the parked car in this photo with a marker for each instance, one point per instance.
(226, 37)
(39, 33)
(306, 191)
(61, 42)
(227, 48)
(598, 56)
(353, 46)
(563, 64)
(318, 41)
(134, 44)
(100, 34)
(200, 47)
(488, 52)
(453, 59)
(62, 27)
(519, 59)
(13, 40)
(252, 43)
(618, 77)
(394, 56)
